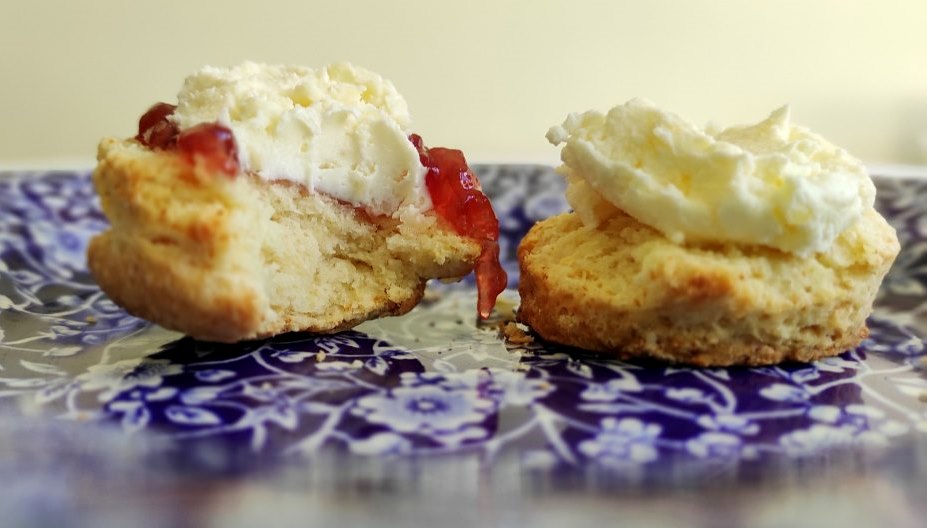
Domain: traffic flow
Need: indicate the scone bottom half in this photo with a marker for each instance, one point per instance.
(198, 246)
(624, 289)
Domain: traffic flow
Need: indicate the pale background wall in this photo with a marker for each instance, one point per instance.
(487, 77)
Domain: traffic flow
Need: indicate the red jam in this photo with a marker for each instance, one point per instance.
(457, 197)
(155, 129)
(210, 143)
(213, 144)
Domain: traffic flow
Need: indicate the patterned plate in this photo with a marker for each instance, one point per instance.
(433, 382)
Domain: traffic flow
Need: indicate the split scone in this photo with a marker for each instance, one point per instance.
(747, 246)
(277, 198)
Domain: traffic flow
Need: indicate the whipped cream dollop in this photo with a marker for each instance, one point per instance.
(339, 130)
(773, 183)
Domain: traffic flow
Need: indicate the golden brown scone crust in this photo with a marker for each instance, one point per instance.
(228, 259)
(624, 289)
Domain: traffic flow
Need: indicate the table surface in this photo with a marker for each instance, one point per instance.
(430, 418)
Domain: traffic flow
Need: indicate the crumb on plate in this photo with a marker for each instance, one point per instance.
(514, 334)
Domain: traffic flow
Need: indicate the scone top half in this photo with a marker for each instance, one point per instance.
(750, 245)
(280, 198)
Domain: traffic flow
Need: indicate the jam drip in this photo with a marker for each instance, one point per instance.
(457, 197)
(211, 144)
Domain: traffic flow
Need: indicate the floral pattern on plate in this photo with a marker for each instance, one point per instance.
(435, 381)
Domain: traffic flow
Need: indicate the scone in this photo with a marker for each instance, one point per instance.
(279, 198)
(749, 246)
(623, 287)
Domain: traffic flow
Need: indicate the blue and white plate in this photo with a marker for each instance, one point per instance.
(432, 387)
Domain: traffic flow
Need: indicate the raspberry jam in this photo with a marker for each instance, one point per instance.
(213, 144)
(210, 143)
(155, 129)
(457, 197)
